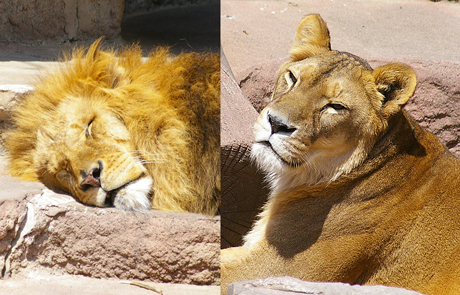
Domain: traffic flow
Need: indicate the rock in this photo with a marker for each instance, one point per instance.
(289, 285)
(257, 83)
(238, 116)
(7, 102)
(60, 20)
(242, 182)
(13, 188)
(38, 283)
(12, 214)
(10, 95)
(61, 236)
(258, 32)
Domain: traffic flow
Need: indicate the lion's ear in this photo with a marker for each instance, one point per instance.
(397, 84)
(311, 38)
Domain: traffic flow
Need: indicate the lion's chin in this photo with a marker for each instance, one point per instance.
(134, 196)
(266, 156)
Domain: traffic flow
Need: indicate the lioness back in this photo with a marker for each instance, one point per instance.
(114, 128)
(360, 192)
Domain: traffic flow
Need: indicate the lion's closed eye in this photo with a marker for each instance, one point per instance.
(88, 130)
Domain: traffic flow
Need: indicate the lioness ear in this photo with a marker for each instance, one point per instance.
(311, 38)
(397, 84)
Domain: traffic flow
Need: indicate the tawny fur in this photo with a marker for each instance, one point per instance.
(360, 192)
(152, 125)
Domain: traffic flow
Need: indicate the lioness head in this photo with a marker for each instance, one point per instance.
(87, 152)
(327, 110)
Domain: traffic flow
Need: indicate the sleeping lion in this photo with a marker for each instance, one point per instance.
(360, 192)
(114, 129)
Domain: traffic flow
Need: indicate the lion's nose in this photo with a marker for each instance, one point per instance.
(279, 127)
(94, 177)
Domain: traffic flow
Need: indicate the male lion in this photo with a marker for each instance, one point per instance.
(115, 129)
(360, 192)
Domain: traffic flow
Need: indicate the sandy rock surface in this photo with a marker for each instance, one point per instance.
(288, 285)
(38, 283)
(257, 32)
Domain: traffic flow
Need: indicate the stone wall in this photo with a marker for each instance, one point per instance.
(60, 20)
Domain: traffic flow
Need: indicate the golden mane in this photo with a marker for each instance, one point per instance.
(177, 96)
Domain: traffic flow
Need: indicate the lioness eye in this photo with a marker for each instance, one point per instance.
(335, 106)
(292, 77)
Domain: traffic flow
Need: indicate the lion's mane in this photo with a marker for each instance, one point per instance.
(175, 97)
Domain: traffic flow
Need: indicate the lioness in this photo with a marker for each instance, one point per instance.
(360, 192)
(116, 129)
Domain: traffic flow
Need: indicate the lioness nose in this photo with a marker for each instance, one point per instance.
(93, 178)
(279, 127)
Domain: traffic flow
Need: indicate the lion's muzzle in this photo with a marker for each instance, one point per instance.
(93, 178)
